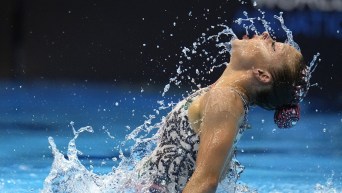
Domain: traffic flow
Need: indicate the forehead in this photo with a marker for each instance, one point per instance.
(286, 52)
(287, 55)
(290, 51)
(287, 48)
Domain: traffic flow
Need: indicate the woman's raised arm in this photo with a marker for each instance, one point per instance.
(217, 134)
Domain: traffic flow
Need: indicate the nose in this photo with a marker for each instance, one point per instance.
(265, 35)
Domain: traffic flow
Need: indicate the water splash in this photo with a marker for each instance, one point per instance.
(220, 41)
(289, 35)
(69, 175)
(328, 187)
(251, 26)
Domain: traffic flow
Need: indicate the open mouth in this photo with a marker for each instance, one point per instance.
(245, 37)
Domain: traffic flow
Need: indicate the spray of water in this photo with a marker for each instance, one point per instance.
(69, 175)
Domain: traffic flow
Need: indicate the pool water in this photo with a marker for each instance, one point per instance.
(307, 158)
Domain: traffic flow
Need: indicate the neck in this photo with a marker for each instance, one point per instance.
(241, 80)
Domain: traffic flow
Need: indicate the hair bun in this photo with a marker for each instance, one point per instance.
(287, 116)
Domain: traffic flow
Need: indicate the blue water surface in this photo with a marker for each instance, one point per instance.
(307, 158)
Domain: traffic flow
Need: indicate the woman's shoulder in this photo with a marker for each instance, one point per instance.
(219, 98)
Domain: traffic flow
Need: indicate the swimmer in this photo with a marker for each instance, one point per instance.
(197, 138)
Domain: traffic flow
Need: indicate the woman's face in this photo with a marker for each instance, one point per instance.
(261, 51)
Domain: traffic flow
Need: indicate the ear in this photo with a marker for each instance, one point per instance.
(262, 75)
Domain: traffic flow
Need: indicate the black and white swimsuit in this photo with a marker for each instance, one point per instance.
(172, 163)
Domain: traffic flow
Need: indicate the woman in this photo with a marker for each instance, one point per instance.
(197, 138)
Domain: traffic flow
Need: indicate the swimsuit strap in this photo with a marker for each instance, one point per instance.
(190, 98)
(243, 98)
(245, 103)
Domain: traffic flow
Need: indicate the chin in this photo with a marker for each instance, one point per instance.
(235, 43)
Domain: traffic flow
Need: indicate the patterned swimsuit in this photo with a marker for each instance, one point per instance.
(172, 163)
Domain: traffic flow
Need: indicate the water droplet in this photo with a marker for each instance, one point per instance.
(195, 50)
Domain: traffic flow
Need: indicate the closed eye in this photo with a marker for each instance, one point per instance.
(273, 45)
